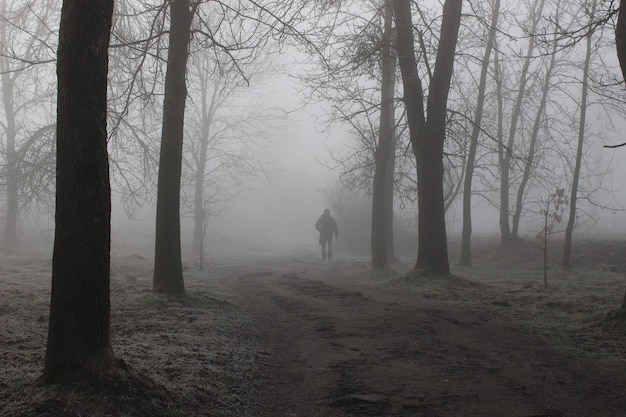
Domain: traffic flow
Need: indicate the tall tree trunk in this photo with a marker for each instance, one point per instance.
(208, 114)
(390, 111)
(78, 338)
(620, 37)
(382, 190)
(528, 165)
(428, 134)
(466, 236)
(198, 204)
(571, 222)
(498, 77)
(505, 168)
(389, 196)
(168, 270)
(7, 78)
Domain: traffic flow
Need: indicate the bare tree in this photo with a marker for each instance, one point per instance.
(356, 78)
(540, 153)
(506, 150)
(213, 96)
(79, 347)
(252, 26)
(466, 242)
(227, 137)
(168, 268)
(28, 153)
(384, 156)
(529, 160)
(569, 229)
(428, 128)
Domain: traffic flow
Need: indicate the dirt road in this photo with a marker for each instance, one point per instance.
(335, 347)
(282, 334)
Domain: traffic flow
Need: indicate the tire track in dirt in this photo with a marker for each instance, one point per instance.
(335, 349)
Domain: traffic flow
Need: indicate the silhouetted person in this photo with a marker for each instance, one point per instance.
(326, 225)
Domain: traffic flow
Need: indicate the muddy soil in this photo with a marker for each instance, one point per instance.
(341, 348)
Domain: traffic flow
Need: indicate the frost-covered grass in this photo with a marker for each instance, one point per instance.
(198, 355)
(184, 356)
(508, 281)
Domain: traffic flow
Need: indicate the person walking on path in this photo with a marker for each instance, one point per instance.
(327, 226)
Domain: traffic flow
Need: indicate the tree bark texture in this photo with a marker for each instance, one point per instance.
(382, 190)
(466, 235)
(78, 336)
(427, 134)
(168, 270)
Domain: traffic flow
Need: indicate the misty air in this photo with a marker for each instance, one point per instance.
(319, 208)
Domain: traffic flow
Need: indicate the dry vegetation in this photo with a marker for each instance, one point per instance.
(574, 314)
(182, 356)
(200, 355)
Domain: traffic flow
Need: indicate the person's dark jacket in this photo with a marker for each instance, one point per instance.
(326, 225)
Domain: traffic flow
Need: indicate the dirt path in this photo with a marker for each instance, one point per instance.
(337, 348)
(289, 336)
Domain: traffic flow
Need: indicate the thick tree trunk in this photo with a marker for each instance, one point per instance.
(620, 37)
(78, 337)
(382, 190)
(571, 222)
(168, 270)
(428, 135)
(412, 84)
(466, 236)
(378, 243)
(432, 254)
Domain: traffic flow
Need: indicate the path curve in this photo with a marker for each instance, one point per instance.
(337, 348)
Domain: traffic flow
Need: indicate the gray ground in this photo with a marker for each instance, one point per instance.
(288, 335)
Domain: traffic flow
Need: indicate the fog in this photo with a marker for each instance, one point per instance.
(278, 215)
(283, 210)
(275, 210)
(277, 206)
(285, 110)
